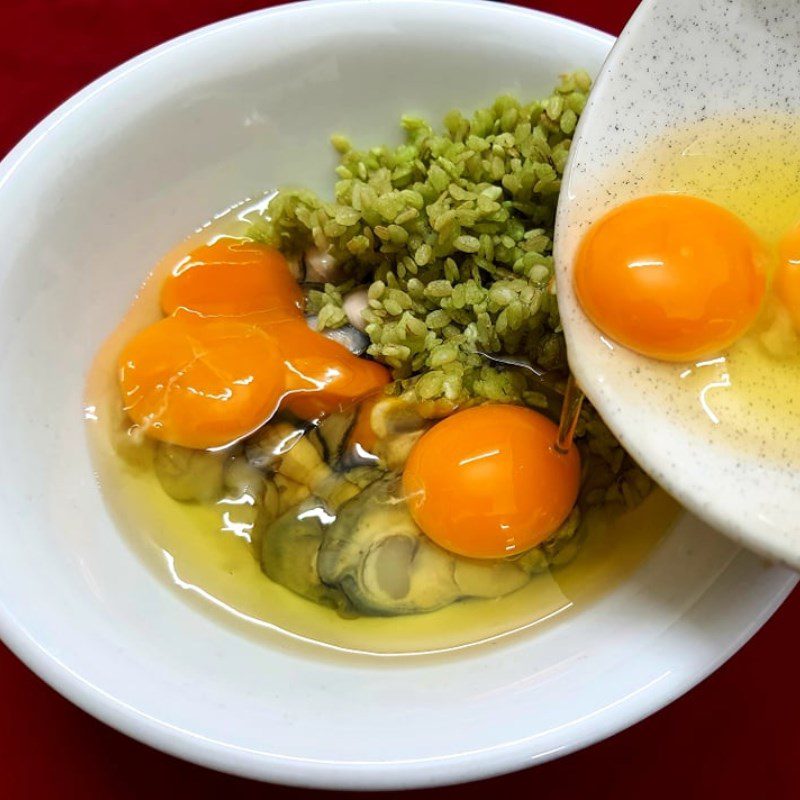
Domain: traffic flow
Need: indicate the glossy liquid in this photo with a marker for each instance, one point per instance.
(204, 552)
(746, 397)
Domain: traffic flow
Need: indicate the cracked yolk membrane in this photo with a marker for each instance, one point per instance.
(672, 277)
(234, 348)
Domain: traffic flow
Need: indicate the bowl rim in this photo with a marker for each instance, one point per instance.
(342, 775)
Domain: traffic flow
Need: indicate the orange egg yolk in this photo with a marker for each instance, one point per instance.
(487, 482)
(787, 279)
(362, 436)
(232, 277)
(671, 276)
(200, 383)
(323, 376)
(235, 348)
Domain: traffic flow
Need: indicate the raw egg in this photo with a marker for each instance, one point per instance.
(201, 383)
(671, 276)
(232, 277)
(323, 376)
(234, 349)
(362, 437)
(487, 482)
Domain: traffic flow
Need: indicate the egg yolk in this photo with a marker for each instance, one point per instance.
(671, 276)
(201, 383)
(362, 436)
(232, 277)
(787, 279)
(487, 482)
(234, 348)
(323, 376)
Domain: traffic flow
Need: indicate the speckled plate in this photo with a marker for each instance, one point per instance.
(681, 65)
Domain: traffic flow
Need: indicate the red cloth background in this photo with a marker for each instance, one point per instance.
(735, 736)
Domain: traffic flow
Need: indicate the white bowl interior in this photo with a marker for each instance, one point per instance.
(89, 201)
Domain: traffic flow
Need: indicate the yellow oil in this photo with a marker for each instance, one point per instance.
(745, 398)
(211, 563)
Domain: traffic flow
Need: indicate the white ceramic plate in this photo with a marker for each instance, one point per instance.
(662, 87)
(91, 198)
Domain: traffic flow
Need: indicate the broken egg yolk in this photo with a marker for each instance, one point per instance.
(362, 437)
(487, 482)
(234, 349)
(672, 277)
(323, 376)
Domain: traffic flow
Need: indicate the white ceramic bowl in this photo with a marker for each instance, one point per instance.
(88, 201)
